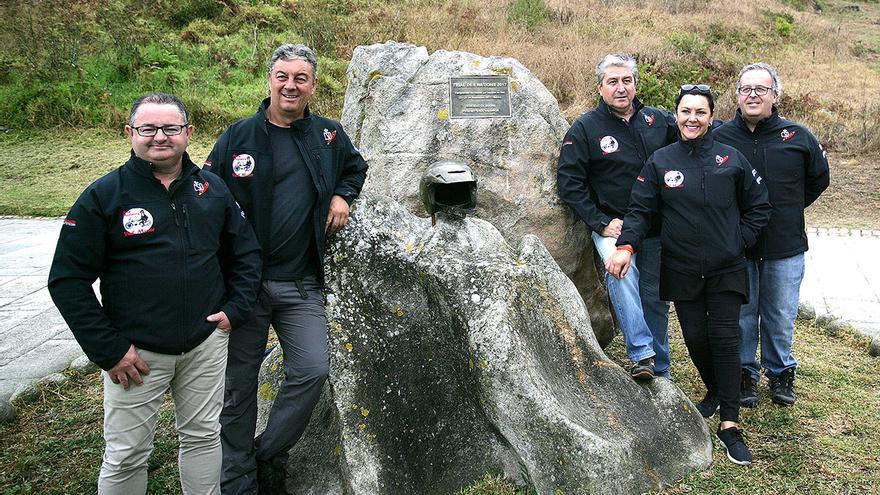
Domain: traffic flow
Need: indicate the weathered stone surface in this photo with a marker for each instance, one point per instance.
(806, 311)
(454, 354)
(874, 349)
(397, 112)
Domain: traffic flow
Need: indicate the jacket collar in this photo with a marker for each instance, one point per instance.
(145, 169)
(700, 145)
(300, 124)
(605, 110)
(771, 122)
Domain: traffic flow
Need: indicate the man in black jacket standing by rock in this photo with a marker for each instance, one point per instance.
(161, 235)
(601, 155)
(795, 169)
(295, 175)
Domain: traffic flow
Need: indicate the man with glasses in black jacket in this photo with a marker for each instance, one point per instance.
(795, 169)
(179, 268)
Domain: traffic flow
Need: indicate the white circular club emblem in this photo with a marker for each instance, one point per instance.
(673, 178)
(608, 144)
(243, 165)
(137, 221)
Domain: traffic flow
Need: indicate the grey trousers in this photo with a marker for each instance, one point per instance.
(296, 312)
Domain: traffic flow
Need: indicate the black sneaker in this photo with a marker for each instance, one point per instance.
(643, 370)
(748, 392)
(271, 477)
(733, 442)
(782, 387)
(708, 405)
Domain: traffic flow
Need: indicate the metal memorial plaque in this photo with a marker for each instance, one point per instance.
(472, 97)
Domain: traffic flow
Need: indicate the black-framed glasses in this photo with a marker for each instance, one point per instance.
(168, 130)
(758, 90)
(698, 87)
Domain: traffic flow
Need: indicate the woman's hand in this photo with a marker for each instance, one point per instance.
(618, 263)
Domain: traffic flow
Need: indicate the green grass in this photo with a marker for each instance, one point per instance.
(43, 172)
(828, 443)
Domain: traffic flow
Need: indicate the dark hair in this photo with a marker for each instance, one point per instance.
(159, 99)
(696, 89)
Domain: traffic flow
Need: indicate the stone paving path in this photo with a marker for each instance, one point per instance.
(842, 278)
(34, 340)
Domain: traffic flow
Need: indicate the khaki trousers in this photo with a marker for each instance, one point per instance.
(196, 380)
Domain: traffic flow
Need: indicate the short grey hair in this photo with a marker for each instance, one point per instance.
(290, 51)
(617, 60)
(774, 76)
(158, 99)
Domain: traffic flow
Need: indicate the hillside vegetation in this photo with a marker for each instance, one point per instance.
(70, 69)
(81, 63)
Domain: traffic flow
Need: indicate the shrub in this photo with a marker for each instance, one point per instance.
(530, 13)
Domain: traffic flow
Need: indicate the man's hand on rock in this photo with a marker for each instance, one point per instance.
(130, 366)
(338, 216)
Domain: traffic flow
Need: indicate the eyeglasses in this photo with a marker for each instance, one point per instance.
(168, 130)
(759, 90)
(698, 87)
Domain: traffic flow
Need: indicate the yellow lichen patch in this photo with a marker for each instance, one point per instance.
(376, 74)
(396, 310)
(470, 363)
(484, 365)
(362, 426)
(365, 412)
(443, 114)
(477, 62)
(371, 437)
(338, 450)
(514, 85)
(267, 392)
(502, 70)
(335, 328)
(348, 346)
(410, 247)
(354, 407)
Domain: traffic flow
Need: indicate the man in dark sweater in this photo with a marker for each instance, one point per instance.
(295, 175)
(179, 268)
(795, 169)
(601, 155)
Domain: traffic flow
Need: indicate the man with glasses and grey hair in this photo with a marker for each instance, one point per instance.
(793, 164)
(295, 174)
(179, 268)
(601, 156)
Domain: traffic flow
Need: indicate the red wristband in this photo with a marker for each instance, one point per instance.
(626, 247)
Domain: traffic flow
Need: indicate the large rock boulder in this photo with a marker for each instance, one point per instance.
(397, 112)
(454, 355)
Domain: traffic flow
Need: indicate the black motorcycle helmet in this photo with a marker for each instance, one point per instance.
(449, 186)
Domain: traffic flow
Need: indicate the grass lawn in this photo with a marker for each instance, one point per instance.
(828, 443)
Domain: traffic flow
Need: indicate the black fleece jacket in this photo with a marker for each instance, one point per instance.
(794, 166)
(161, 256)
(242, 157)
(601, 156)
(712, 205)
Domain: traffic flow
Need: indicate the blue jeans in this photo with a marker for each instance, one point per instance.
(642, 316)
(774, 291)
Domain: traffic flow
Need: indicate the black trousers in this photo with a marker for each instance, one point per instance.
(710, 325)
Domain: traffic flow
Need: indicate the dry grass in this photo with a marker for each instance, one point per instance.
(828, 60)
